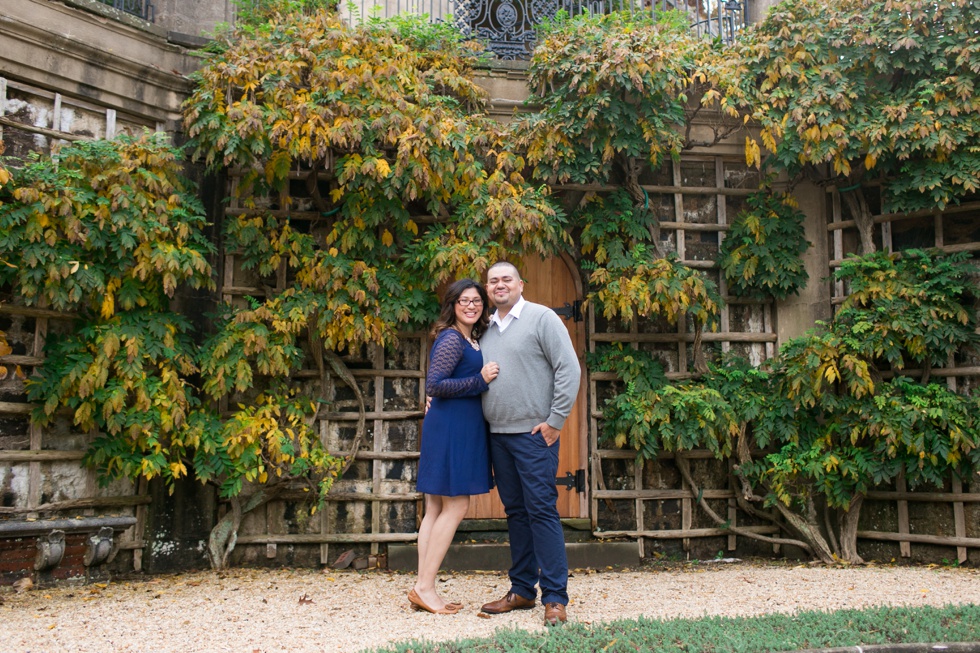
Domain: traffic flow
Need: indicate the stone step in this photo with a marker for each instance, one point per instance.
(496, 556)
(488, 531)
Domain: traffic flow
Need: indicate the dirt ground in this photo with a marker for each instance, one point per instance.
(265, 611)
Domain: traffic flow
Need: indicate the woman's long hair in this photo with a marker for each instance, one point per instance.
(447, 316)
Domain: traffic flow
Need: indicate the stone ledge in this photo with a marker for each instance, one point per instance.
(24, 528)
(124, 17)
(949, 647)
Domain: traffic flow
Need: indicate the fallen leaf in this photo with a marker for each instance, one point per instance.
(24, 584)
(305, 599)
(482, 615)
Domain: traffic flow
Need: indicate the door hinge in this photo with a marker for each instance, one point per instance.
(571, 311)
(571, 481)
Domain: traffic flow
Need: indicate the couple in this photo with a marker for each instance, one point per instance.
(528, 386)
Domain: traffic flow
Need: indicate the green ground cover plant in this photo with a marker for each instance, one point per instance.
(772, 632)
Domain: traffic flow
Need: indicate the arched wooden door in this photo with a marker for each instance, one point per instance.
(553, 283)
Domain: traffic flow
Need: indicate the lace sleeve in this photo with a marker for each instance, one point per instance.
(446, 354)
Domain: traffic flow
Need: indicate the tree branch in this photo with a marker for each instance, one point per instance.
(684, 466)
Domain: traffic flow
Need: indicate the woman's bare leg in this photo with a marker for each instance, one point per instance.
(438, 537)
(433, 506)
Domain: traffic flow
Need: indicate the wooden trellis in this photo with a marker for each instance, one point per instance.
(376, 501)
(695, 199)
(955, 229)
(39, 120)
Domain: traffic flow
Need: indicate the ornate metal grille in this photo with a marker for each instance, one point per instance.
(142, 8)
(508, 27)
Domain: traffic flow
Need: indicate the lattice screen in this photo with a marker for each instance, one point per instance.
(956, 229)
(375, 502)
(695, 199)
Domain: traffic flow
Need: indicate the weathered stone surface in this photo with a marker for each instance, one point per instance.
(83, 55)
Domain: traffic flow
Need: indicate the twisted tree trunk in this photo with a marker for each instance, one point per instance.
(641, 202)
(224, 535)
(854, 197)
(685, 469)
(848, 521)
(811, 539)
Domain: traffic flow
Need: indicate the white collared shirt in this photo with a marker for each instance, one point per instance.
(514, 314)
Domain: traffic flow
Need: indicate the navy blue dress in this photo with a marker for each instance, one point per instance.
(455, 455)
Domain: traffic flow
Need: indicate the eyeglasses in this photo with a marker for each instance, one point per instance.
(463, 301)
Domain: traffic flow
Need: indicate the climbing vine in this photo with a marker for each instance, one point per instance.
(619, 95)
(871, 96)
(411, 184)
(110, 231)
(830, 425)
(761, 255)
(408, 182)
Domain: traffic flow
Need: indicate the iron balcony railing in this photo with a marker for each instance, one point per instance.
(509, 26)
(141, 8)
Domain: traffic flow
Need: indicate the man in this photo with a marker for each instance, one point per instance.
(526, 407)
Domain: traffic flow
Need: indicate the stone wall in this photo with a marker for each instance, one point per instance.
(198, 19)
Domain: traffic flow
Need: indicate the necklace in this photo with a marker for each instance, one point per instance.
(473, 343)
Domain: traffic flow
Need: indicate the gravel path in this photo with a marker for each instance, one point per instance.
(249, 610)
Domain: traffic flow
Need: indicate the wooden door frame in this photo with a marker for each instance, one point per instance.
(582, 401)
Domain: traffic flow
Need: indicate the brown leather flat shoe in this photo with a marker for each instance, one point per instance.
(510, 602)
(554, 614)
(419, 604)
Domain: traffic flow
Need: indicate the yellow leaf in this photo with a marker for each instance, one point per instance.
(108, 305)
(753, 155)
(387, 238)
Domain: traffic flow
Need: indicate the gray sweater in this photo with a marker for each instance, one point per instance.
(539, 372)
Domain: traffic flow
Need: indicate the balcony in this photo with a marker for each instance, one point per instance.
(508, 26)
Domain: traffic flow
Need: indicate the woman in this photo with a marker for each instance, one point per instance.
(455, 457)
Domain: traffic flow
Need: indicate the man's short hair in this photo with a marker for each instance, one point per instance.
(500, 264)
